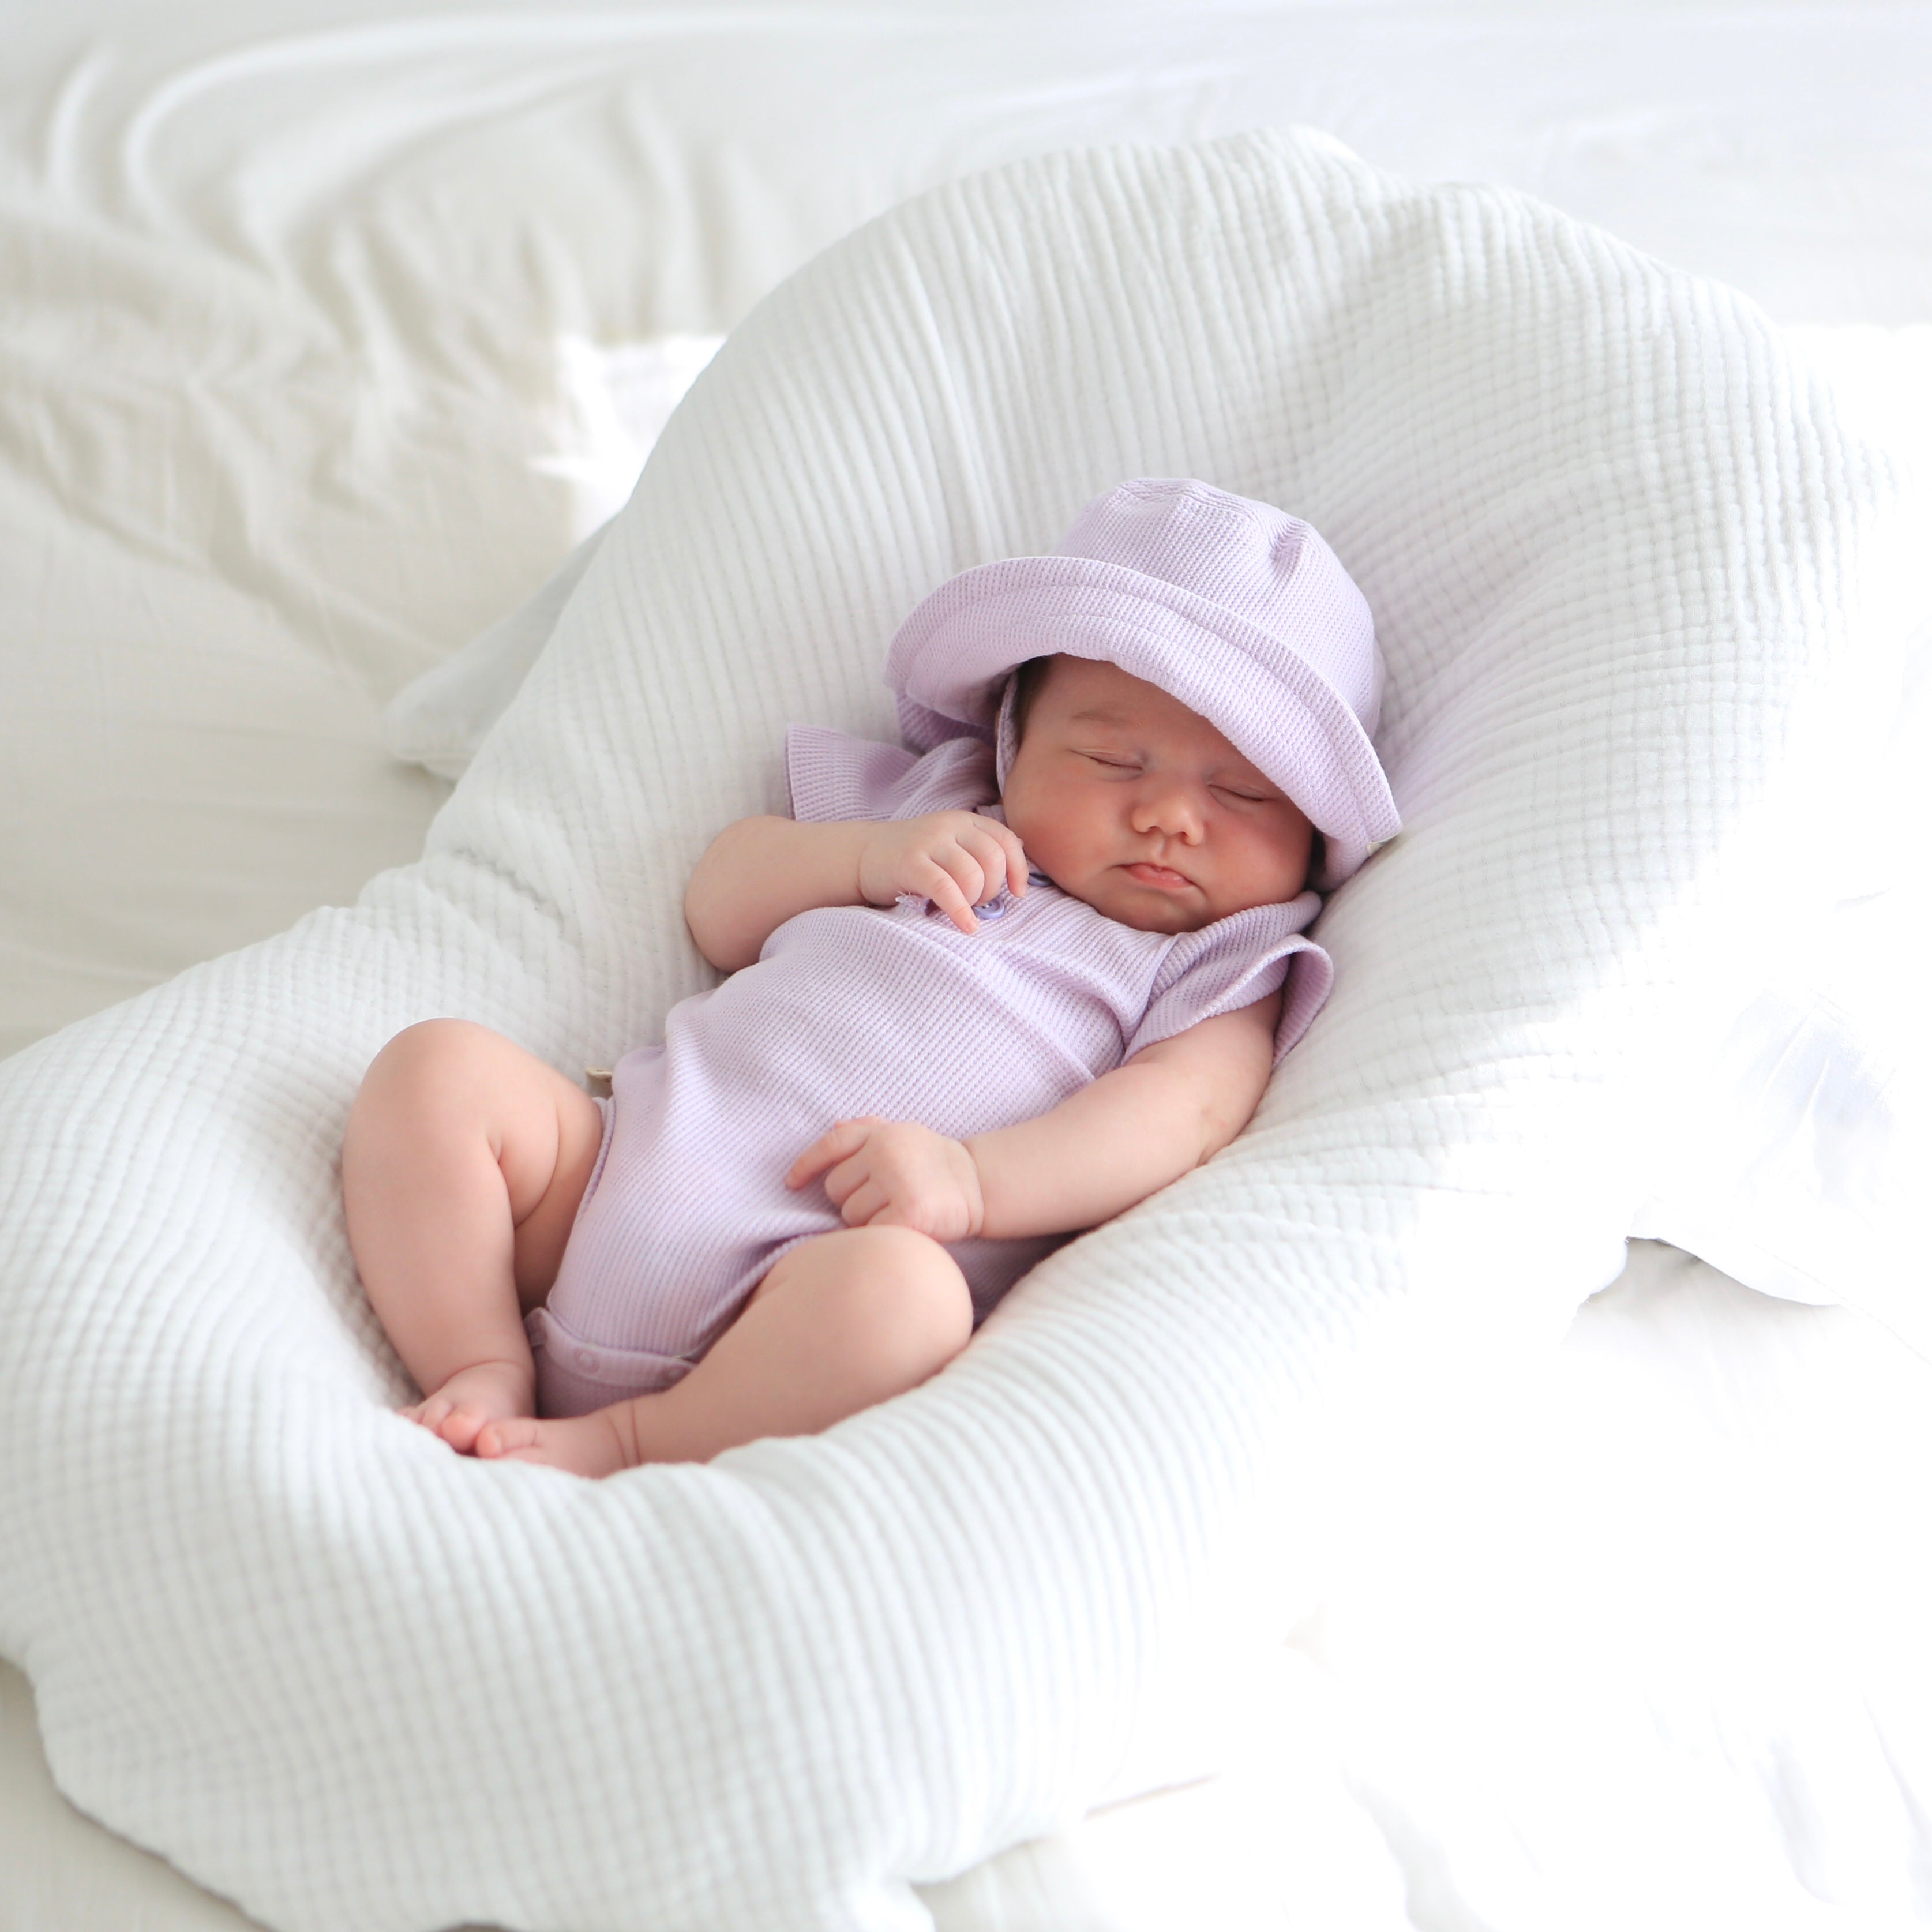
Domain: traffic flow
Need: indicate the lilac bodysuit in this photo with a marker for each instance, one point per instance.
(851, 1010)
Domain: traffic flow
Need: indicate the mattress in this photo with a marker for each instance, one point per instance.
(331, 335)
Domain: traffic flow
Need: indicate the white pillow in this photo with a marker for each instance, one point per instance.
(1615, 547)
(439, 719)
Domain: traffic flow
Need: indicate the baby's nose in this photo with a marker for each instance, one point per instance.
(1171, 807)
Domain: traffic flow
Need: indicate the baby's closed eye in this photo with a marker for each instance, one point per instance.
(1246, 794)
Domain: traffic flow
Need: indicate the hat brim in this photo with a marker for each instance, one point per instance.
(954, 652)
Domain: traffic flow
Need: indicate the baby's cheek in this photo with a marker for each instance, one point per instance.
(1055, 850)
(1279, 856)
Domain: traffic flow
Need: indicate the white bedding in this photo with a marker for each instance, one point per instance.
(196, 671)
(1739, 1752)
(1628, 574)
(323, 319)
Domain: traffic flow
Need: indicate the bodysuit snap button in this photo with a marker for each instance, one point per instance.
(993, 909)
(587, 1358)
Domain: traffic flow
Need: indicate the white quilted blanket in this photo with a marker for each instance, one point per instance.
(1625, 570)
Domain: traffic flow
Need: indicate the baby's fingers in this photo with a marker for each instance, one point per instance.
(1006, 855)
(946, 893)
(985, 859)
(829, 1149)
(859, 1207)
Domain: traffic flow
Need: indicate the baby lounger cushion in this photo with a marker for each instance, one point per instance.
(1626, 572)
(1798, 1165)
(1796, 1157)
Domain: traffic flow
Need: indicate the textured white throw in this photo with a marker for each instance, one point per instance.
(1624, 569)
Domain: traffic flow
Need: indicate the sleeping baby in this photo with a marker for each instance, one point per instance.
(982, 996)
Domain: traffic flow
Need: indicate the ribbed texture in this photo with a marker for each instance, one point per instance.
(863, 1009)
(1622, 562)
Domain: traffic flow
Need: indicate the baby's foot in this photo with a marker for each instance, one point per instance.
(472, 1398)
(591, 1445)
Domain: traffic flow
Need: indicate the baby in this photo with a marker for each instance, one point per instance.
(980, 999)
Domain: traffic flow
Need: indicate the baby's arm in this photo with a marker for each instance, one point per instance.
(1155, 1117)
(759, 872)
(1152, 1119)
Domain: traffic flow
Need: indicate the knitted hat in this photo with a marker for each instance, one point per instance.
(1233, 606)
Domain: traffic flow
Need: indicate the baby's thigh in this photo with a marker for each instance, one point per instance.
(444, 1094)
(898, 1289)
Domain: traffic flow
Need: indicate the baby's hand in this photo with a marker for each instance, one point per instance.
(958, 859)
(897, 1174)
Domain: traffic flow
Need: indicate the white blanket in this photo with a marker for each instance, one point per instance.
(1625, 569)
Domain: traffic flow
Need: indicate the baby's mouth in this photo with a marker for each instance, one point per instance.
(1164, 877)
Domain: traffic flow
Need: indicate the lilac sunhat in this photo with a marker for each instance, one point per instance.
(1234, 607)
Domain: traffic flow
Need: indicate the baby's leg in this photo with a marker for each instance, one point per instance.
(462, 1167)
(841, 1321)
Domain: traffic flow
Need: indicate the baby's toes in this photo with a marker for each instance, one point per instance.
(460, 1426)
(514, 1435)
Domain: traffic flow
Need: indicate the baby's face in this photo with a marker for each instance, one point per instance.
(1125, 798)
